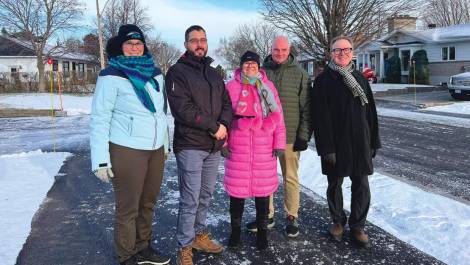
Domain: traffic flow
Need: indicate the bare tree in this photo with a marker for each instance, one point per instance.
(164, 53)
(39, 20)
(316, 22)
(119, 12)
(447, 12)
(256, 36)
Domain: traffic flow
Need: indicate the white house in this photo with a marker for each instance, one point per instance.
(18, 56)
(447, 48)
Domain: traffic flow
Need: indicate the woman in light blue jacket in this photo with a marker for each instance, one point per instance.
(129, 141)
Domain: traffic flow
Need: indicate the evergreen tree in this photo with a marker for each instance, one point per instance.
(419, 70)
(393, 70)
(221, 71)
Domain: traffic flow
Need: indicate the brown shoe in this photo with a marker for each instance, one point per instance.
(185, 256)
(360, 237)
(203, 243)
(336, 231)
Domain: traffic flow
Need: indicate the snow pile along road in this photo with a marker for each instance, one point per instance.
(25, 180)
(73, 104)
(432, 223)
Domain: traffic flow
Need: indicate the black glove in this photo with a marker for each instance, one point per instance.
(373, 152)
(225, 152)
(330, 159)
(300, 145)
(278, 152)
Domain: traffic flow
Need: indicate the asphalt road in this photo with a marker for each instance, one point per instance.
(75, 222)
(75, 226)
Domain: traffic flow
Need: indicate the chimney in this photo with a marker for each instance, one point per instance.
(401, 22)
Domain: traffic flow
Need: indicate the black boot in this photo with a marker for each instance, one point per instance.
(236, 212)
(262, 209)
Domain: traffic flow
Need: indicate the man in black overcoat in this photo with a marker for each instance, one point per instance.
(346, 137)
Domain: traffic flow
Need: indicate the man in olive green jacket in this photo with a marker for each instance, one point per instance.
(291, 83)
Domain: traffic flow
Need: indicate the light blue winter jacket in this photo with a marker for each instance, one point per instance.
(118, 116)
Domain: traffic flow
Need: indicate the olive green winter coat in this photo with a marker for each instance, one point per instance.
(291, 81)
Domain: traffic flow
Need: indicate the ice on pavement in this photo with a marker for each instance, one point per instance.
(432, 223)
(25, 180)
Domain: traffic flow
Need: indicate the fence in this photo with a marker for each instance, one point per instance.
(70, 82)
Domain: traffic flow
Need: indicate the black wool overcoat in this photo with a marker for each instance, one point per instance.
(342, 125)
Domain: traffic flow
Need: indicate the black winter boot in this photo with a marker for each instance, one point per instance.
(262, 209)
(236, 212)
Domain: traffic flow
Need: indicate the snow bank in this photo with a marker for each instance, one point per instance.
(25, 180)
(424, 117)
(458, 107)
(386, 86)
(432, 223)
(74, 105)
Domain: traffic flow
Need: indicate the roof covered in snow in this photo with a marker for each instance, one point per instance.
(437, 35)
(12, 46)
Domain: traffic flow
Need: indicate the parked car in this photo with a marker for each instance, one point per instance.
(459, 86)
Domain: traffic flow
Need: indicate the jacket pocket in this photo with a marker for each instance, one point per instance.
(130, 126)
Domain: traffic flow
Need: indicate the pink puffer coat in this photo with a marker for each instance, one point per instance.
(251, 170)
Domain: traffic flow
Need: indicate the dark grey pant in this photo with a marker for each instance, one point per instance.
(197, 175)
(137, 179)
(360, 200)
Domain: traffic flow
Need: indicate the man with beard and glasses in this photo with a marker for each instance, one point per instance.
(346, 137)
(203, 111)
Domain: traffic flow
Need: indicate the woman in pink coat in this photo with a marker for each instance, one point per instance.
(256, 138)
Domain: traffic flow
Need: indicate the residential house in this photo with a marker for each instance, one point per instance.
(447, 48)
(19, 56)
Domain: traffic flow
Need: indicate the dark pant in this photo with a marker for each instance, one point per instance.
(237, 206)
(360, 200)
(137, 179)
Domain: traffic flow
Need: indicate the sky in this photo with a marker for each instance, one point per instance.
(171, 18)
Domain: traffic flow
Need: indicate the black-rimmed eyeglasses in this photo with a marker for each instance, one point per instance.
(337, 51)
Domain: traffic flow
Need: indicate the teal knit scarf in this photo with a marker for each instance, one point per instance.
(139, 70)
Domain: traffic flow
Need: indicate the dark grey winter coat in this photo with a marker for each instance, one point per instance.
(343, 126)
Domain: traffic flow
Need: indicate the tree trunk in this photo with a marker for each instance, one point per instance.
(41, 79)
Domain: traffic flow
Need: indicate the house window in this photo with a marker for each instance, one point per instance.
(405, 60)
(14, 70)
(448, 53)
(81, 67)
(73, 66)
(66, 66)
(310, 68)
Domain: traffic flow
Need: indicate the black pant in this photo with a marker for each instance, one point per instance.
(360, 200)
(237, 206)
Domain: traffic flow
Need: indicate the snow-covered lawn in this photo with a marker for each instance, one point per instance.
(457, 107)
(73, 104)
(25, 180)
(432, 223)
(386, 86)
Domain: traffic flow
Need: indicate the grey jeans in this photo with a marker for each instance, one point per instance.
(197, 175)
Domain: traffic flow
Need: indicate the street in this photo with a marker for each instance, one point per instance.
(75, 223)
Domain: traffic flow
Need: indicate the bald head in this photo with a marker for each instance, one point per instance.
(280, 49)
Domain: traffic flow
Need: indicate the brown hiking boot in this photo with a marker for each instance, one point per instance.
(336, 231)
(360, 237)
(203, 243)
(185, 256)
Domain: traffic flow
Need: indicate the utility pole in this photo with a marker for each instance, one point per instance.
(100, 33)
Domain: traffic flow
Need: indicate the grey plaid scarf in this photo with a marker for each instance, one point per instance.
(268, 101)
(350, 81)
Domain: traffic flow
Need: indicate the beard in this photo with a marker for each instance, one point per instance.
(197, 53)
